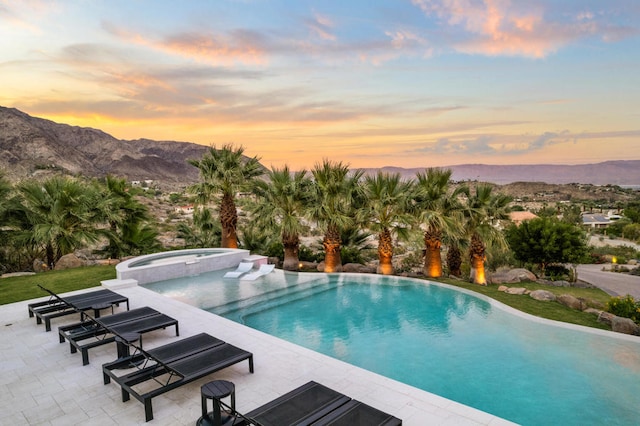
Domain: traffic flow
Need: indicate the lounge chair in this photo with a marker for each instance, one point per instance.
(243, 268)
(58, 306)
(96, 332)
(313, 403)
(171, 366)
(264, 270)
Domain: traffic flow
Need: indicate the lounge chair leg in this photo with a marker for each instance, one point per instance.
(148, 410)
(47, 324)
(251, 364)
(177, 330)
(85, 356)
(106, 378)
(72, 348)
(125, 395)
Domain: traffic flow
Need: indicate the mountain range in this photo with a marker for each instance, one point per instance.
(30, 146)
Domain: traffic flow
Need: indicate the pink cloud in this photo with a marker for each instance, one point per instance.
(239, 46)
(503, 27)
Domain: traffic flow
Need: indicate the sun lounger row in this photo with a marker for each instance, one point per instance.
(171, 366)
(61, 306)
(96, 332)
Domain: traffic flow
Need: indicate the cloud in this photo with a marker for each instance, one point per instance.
(321, 26)
(506, 28)
(236, 46)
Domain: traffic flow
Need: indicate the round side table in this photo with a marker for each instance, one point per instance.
(216, 390)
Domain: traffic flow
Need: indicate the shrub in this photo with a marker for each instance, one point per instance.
(626, 307)
(558, 272)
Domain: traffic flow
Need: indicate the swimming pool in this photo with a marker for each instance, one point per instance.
(440, 340)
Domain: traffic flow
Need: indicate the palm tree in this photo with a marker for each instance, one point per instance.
(129, 231)
(484, 212)
(284, 198)
(387, 197)
(335, 193)
(58, 215)
(202, 231)
(438, 211)
(224, 172)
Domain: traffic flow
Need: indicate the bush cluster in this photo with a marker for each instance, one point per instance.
(626, 307)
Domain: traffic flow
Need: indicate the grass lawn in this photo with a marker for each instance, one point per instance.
(550, 310)
(15, 289)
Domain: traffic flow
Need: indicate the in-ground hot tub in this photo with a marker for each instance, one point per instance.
(178, 263)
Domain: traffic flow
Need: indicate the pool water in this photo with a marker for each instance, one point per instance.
(446, 342)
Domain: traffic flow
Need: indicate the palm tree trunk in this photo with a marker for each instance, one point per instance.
(228, 220)
(291, 243)
(454, 260)
(331, 244)
(385, 253)
(432, 259)
(477, 255)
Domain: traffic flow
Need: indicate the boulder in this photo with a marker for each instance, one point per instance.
(516, 290)
(594, 311)
(307, 266)
(39, 265)
(543, 295)
(503, 288)
(68, 261)
(358, 268)
(624, 325)
(512, 276)
(572, 302)
(606, 317)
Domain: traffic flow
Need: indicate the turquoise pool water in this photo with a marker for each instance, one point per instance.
(440, 340)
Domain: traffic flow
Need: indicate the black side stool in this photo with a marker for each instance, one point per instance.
(215, 391)
(122, 343)
(100, 306)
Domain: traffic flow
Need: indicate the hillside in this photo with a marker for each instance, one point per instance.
(31, 146)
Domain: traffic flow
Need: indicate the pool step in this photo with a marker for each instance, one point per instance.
(270, 299)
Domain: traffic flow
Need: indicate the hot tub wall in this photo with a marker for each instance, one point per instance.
(180, 268)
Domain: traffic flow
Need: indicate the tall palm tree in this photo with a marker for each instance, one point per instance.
(387, 197)
(58, 215)
(284, 198)
(438, 211)
(484, 212)
(335, 192)
(224, 172)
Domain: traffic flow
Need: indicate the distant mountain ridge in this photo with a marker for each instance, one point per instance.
(622, 172)
(30, 146)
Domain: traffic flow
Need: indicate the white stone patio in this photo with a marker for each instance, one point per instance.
(42, 383)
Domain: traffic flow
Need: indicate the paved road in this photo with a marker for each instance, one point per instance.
(613, 283)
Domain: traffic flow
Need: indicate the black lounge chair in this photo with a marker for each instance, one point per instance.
(96, 332)
(58, 306)
(171, 366)
(316, 404)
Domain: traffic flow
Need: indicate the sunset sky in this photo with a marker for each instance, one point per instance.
(408, 83)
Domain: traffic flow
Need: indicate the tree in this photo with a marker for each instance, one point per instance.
(439, 212)
(335, 194)
(387, 197)
(283, 200)
(224, 172)
(57, 215)
(484, 212)
(545, 241)
(202, 231)
(129, 232)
